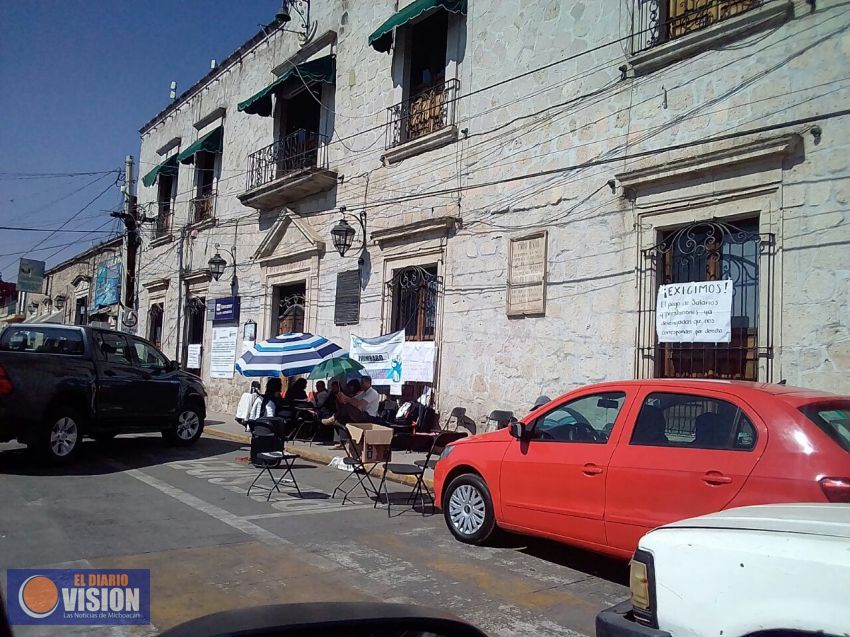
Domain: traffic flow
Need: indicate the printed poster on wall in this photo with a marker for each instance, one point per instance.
(380, 356)
(418, 359)
(193, 356)
(699, 312)
(223, 351)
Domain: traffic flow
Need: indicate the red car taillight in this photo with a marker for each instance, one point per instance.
(5, 383)
(836, 489)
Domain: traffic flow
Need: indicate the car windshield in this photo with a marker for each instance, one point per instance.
(833, 419)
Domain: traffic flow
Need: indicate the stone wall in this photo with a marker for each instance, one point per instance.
(585, 124)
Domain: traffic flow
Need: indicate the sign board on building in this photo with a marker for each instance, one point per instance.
(223, 352)
(699, 312)
(107, 285)
(193, 356)
(226, 309)
(418, 360)
(31, 276)
(526, 294)
(380, 356)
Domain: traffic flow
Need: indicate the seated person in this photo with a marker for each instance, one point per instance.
(297, 391)
(323, 400)
(267, 406)
(360, 406)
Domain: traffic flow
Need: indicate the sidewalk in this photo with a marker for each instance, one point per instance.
(224, 426)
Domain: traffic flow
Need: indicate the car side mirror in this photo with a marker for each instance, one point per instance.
(517, 430)
(172, 366)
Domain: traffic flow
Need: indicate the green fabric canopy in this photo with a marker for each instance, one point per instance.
(320, 70)
(209, 143)
(168, 167)
(382, 39)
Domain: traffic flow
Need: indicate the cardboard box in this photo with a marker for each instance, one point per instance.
(373, 441)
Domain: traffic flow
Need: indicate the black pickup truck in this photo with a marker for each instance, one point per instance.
(60, 383)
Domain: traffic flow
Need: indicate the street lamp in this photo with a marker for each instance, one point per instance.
(342, 234)
(218, 265)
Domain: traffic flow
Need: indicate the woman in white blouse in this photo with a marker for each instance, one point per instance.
(266, 406)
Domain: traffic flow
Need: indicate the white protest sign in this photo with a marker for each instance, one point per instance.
(418, 360)
(380, 356)
(193, 356)
(223, 352)
(698, 312)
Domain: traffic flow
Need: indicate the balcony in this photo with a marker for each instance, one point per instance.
(664, 31)
(202, 209)
(162, 228)
(422, 122)
(288, 170)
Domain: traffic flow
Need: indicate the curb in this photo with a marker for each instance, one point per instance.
(318, 456)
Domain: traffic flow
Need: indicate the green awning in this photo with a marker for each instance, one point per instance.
(209, 143)
(382, 39)
(168, 167)
(320, 70)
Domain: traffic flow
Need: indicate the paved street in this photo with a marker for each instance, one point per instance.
(183, 513)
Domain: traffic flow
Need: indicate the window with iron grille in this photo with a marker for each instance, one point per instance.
(658, 21)
(710, 251)
(414, 302)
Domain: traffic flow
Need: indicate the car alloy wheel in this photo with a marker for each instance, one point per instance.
(64, 435)
(187, 424)
(467, 510)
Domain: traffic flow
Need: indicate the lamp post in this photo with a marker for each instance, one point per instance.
(342, 234)
(218, 265)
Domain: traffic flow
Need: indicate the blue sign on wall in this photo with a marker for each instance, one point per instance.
(226, 309)
(107, 285)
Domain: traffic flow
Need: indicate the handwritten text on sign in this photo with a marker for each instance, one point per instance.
(699, 312)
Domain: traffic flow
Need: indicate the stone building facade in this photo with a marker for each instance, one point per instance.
(522, 219)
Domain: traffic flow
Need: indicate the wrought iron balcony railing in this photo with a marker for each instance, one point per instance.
(163, 220)
(426, 112)
(655, 22)
(297, 151)
(202, 207)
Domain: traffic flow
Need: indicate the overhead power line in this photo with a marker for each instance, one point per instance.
(60, 229)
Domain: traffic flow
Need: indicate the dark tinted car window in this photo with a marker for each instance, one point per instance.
(42, 340)
(114, 347)
(585, 419)
(833, 419)
(692, 421)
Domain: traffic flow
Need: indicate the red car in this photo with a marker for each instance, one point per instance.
(602, 465)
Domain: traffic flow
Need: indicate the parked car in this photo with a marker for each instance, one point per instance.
(602, 465)
(59, 383)
(766, 570)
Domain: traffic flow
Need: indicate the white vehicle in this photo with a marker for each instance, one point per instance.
(758, 570)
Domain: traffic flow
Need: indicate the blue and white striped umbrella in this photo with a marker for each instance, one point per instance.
(288, 355)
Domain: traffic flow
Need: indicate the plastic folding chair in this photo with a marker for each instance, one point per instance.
(499, 417)
(359, 470)
(418, 468)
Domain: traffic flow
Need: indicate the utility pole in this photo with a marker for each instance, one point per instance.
(132, 240)
(178, 352)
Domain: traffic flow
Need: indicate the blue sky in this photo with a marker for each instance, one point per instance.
(78, 78)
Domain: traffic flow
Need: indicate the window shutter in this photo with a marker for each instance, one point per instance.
(347, 310)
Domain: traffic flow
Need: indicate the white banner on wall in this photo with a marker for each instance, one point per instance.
(380, 356)
(418, 360)
(699, 312)
(223, 352)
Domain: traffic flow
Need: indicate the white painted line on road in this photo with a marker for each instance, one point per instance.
(246, 526)
(280, 514)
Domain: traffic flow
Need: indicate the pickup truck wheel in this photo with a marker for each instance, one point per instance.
(188, 429)
(63, 437)
(468, 509)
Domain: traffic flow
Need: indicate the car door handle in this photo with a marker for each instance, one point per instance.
(591, 469)
(715, 478)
